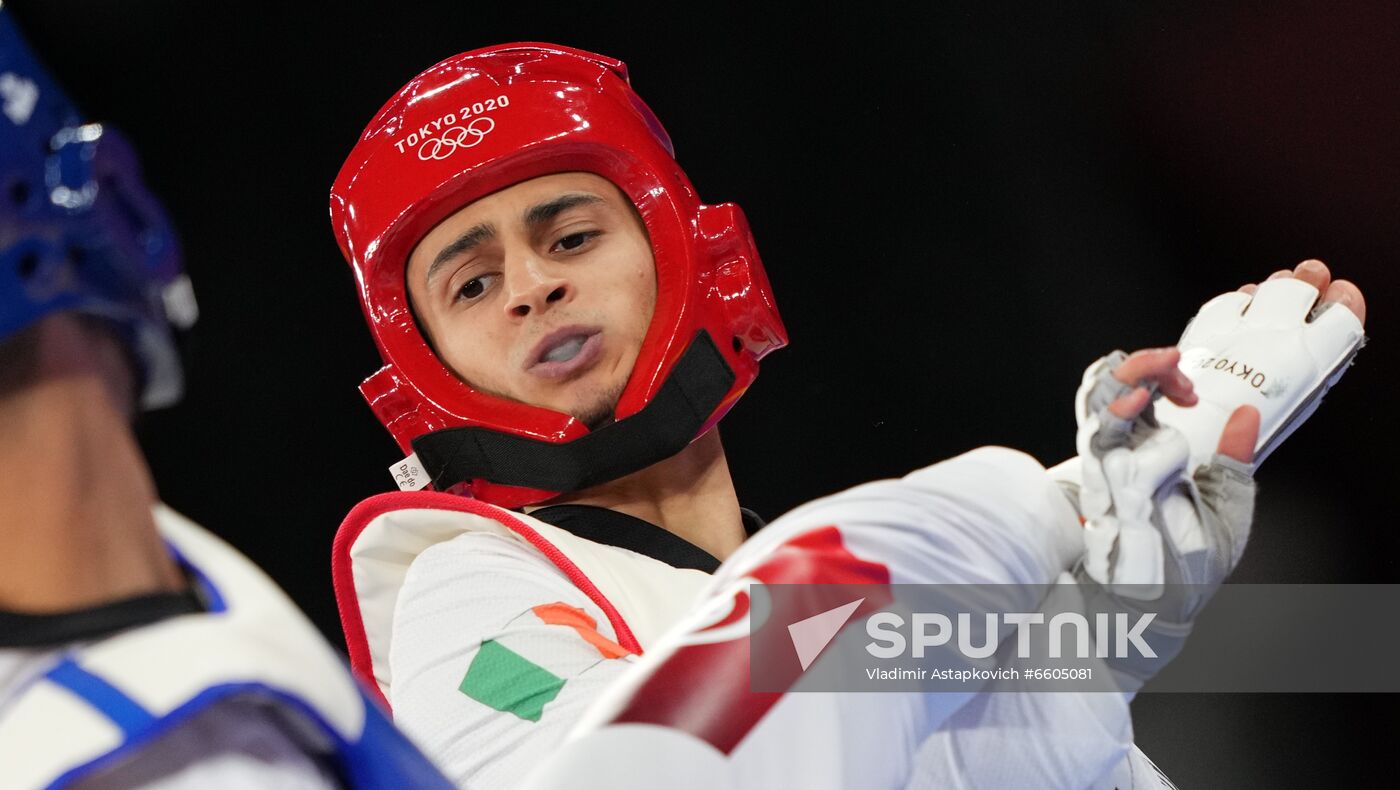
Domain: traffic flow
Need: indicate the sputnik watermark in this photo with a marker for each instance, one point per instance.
(950, 638)
(1070, 638)
(888, 640)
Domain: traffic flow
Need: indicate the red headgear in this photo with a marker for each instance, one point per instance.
(484, 120)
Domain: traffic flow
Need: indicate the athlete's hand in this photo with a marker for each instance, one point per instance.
(1156, 368)
(1155, 537)
(1278, 346)
(1147, 523)
(1315, 273)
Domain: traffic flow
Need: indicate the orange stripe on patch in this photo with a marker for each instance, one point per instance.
(560, 613)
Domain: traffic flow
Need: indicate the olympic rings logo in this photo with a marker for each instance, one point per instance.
(454, 138)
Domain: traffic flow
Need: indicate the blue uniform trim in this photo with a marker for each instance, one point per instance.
(213, 599)
(382, 757)
(124, 712)
(385, 758)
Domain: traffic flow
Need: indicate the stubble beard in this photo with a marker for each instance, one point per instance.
(602, 410)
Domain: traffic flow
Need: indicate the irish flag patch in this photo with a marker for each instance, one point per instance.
(523, 669)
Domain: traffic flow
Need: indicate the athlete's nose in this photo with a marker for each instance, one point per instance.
(532, 287)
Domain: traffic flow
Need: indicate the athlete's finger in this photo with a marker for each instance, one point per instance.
(1280, 274)
(1314, 273)
(1149, 363)
(1240, 434)
(1131, 405)
(1158, 366)
(1249, 288)
(1177, 387)
(1346, 293)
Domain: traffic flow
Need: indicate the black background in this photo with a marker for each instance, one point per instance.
(959, 204)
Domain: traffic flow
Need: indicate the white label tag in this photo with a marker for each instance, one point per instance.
(409, 474)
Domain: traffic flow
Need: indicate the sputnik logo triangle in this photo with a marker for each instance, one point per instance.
(812, 635)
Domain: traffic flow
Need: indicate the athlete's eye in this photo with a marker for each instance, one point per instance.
(573, 241)
(472, 289)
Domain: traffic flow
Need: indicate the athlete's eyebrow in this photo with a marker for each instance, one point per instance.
(463, 244)
(548, 210)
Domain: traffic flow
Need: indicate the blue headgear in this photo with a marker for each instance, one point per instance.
(78, 229)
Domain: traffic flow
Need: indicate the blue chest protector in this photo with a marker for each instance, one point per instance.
(101, 703)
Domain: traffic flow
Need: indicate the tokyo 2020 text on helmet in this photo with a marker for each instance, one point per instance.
(485, 120)
(78, 230)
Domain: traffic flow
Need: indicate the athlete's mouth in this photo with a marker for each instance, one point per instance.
(565, 351)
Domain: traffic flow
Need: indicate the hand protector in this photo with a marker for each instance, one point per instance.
(1265, 351)
(1148, 525)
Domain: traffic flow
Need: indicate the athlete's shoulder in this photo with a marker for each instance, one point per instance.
(475, 575)
(98, 703)
(411, 551)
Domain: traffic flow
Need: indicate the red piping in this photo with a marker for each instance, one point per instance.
(342, 574)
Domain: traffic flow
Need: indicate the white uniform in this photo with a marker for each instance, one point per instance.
(492, 633)
(245, 694)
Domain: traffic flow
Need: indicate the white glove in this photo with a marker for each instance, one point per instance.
(1154, 539)
(1147, 524)
(1266, 351)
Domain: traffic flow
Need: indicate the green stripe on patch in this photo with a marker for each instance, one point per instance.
(502, 679)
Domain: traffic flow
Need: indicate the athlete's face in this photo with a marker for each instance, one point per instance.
(541, 293)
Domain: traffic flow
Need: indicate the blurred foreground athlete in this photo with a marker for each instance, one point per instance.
(136, 649)
(564, 324)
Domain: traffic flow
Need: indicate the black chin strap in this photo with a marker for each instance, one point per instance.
(663, 427)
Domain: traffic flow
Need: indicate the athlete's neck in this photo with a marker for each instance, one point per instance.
(76, 527)
(689, 494)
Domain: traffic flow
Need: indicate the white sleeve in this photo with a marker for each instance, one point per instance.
(494, 655)
(989, 516)
(992, 516)
(1028, 739)
(1047, 740)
